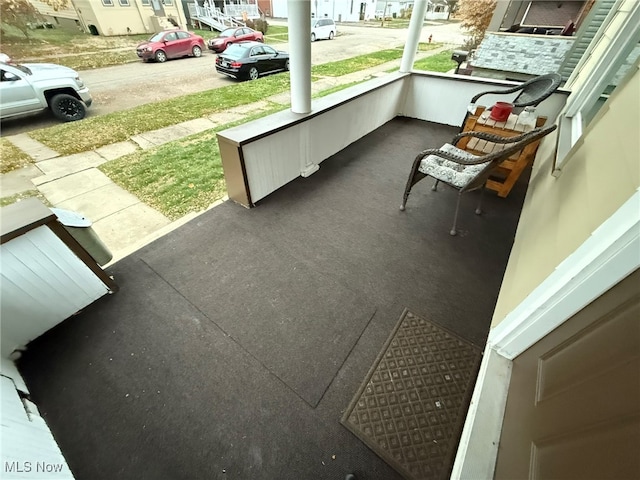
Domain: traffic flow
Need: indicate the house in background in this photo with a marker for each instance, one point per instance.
(116, 17)
(526, 39)
(539, 14)
(437, 10)
(338, 10)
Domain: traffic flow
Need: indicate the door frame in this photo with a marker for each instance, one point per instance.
(609, 255)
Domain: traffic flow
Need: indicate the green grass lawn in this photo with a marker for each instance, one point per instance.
(70, 48)
(11, 157)
(355, 64)
(440, 62)
(177, 178)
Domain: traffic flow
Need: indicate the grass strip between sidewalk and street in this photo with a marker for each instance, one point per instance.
(94, 132)
(440, 62)
(180, 177)
(11, 157)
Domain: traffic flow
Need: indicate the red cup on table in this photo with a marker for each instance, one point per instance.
(501, 111)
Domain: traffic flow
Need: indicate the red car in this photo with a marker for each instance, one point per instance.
(170, 44)
(234, 35)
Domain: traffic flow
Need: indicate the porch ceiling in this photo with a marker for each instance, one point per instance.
(237, 341)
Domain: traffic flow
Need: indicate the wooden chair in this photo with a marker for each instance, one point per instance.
(465, 171)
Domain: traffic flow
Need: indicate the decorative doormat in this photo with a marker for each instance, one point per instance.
(412, 404)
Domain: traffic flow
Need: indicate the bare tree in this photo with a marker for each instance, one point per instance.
(476, 16)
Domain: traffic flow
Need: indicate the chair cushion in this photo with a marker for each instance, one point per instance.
(450, 172)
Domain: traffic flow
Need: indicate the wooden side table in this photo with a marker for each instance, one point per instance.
(505, 176)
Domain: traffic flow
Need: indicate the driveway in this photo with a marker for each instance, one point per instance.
(125, 86)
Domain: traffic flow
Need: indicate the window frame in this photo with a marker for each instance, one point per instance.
(124, 3)
(571, 121)
(108, 3)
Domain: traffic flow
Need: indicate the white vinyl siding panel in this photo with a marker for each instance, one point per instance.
(43, 283)
(29, 451)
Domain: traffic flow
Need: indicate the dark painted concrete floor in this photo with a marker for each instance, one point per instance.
(237, 341)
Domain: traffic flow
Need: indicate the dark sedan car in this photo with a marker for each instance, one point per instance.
(234, 35)
(170, 44)
(249, 60)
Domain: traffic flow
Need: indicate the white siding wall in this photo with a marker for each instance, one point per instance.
(310, 142)
(42, 283)
(29, 450)
(443, 98)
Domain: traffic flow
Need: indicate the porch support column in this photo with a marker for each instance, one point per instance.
(300, 54)
(413, 38)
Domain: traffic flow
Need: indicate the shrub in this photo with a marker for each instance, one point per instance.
(259, 24)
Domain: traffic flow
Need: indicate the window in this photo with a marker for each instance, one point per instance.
(255, 51)
(170, 37)
(167, 2)
(182, 35)
(124, 3)
(268, 50)
(146, 2)
(107, 3)
(607, 60)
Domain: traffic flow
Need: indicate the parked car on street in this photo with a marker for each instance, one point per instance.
(34, 87)
(170, 44)
(323, 28)
(249, 60)
(234, 35)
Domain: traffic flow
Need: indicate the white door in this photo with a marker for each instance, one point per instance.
(573, 408)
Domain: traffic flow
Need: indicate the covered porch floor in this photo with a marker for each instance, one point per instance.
(237, 341)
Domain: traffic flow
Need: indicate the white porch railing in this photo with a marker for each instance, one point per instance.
(212, 17)
(256, 164)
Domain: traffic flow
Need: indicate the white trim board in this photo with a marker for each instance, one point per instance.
(608, 256)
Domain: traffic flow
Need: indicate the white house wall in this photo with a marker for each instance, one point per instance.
(338, 10)
(426, 94)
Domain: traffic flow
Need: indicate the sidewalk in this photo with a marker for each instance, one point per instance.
(120, 219)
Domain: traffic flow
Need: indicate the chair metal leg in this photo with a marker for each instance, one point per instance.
(479, 207)
(435, 185)
(455, 216)
(414, 177)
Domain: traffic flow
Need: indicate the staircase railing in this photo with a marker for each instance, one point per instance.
(212, 17)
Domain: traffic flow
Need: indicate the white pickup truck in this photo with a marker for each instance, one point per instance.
(33, 87)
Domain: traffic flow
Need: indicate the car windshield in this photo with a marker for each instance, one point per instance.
(235, 51)
(22, 68)
(227, 33)
(157, 37)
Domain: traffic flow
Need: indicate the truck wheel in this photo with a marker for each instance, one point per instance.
(67, 107)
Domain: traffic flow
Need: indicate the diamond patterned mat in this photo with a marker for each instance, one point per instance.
(412, 405)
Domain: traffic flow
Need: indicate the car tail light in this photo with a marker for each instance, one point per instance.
(236, 65)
